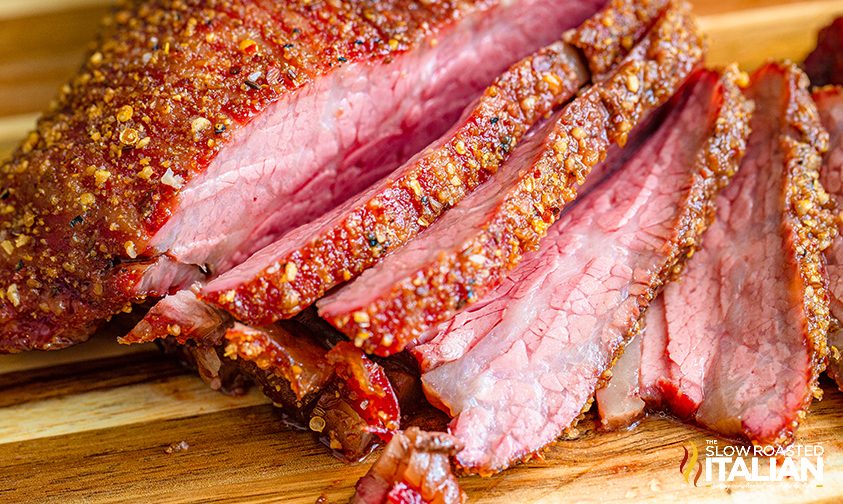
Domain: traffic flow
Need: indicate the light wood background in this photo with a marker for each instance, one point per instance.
(93, 424)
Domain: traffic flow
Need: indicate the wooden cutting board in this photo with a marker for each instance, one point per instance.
(105, 423)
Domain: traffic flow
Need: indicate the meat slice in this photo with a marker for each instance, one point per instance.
(825, 63)
(337, 392)
(635, 384)
(619, 402)
(299, 361)
(545, 339)
(829, 101)
(182, 317)
(468, 252)
(414, 468)
(196, 133)
(746, 326)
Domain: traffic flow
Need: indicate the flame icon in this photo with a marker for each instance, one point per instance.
(686, 467)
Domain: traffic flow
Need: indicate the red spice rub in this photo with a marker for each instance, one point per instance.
(155, 102)
(607, 36)
(383, 316)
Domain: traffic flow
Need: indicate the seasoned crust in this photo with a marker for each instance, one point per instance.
(607, 36)
(812, 218)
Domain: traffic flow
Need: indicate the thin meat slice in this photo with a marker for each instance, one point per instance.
(414, 468)
(182, 317)
(654, 363)
(468, 252)
(456, 335)
(196, 133)
(292, 273)
(829, 102)
(547, 337)
(317, 379)
(825, 63)
(746, 326)
(619, 402)
(637, 374)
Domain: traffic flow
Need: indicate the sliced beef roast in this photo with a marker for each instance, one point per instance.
(745, 328)
(289, 275)
(825, 64)
(414, 468)
(829, 102)
(523, 363)
(468, 252)
(356, 235)
(299, 268)
(198, 132)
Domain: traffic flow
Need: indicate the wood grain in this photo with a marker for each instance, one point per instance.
(247, 454)
(92, 424)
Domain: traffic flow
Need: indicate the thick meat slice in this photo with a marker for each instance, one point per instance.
(466, 254)
(299, 268)
(829, 102)
(825, 64)
(746, 325)
(414, 468)
(198, 132)
(544, 340)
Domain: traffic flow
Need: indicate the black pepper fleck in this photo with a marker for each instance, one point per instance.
(505, 143)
